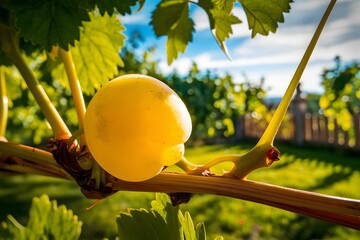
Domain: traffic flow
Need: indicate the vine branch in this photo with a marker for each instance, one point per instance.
(12, 51)
(342, 211)
(75, 90)
(3, 103)
(271, 130)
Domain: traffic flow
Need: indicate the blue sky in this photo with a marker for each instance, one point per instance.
(274, 57)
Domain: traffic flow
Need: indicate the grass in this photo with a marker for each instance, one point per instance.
(319, 170)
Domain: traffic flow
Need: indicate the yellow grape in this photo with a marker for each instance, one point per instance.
(135, 125)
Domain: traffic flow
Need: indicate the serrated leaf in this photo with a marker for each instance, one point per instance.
(161, 222)
(166, 14)
(264, 16)
(47, 220)
(226, 5)
(171, 18)
(96, 56)
(220, 23)
(222, 27)
(179, 37)
(49, 23)
(109, 6)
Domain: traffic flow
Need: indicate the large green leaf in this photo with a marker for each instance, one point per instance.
(96, 56)
(109, 6)
(160, 222)
(179, 36)
(47, 220)
(263, 16)
(49, 23)
(171, 18)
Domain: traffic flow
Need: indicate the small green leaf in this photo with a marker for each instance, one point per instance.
(179, 37)
(171, 18)
(47, 220)
(264, 16)
(161, 222)
(226, 5)
(96, 56)
(220, 22)
(166, 14)
(141, 224)
(49, 23)
(222, 27)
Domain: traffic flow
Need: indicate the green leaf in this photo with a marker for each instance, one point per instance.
(166, 14)
(220, 22)
(222, 27)
(161, 222)
(226, 5)
(179, 37)
(171, 18)
(47, 220)
(264, 16)
(96, 56)
(122, 6)
(49, 23)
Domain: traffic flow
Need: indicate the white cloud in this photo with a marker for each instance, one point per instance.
(275, 57)
(201, 20)
(135, 18)
(181, 66)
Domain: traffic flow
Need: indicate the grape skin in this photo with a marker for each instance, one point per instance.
(135, 125)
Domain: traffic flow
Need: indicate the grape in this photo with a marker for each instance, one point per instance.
(135, 125)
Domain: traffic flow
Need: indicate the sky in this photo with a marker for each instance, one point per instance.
(273, 57)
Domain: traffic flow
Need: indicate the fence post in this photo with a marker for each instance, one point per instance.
(239, 127)
(300, 109)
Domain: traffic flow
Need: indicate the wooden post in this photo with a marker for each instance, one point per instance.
(300, 109)
(239, 128)
(357, 131)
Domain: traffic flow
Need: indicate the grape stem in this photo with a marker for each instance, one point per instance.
(25, 159)
(273, 127)
(4, 108)
(186, 165)
(75, 90)
(259, 156)
(12, 51)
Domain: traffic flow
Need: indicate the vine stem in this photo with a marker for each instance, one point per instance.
(57, 124)
(273, 127)
(338, 210)
(4, 108)
(259, 156)
(75, 90)
(22, 151)
(25, 159)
